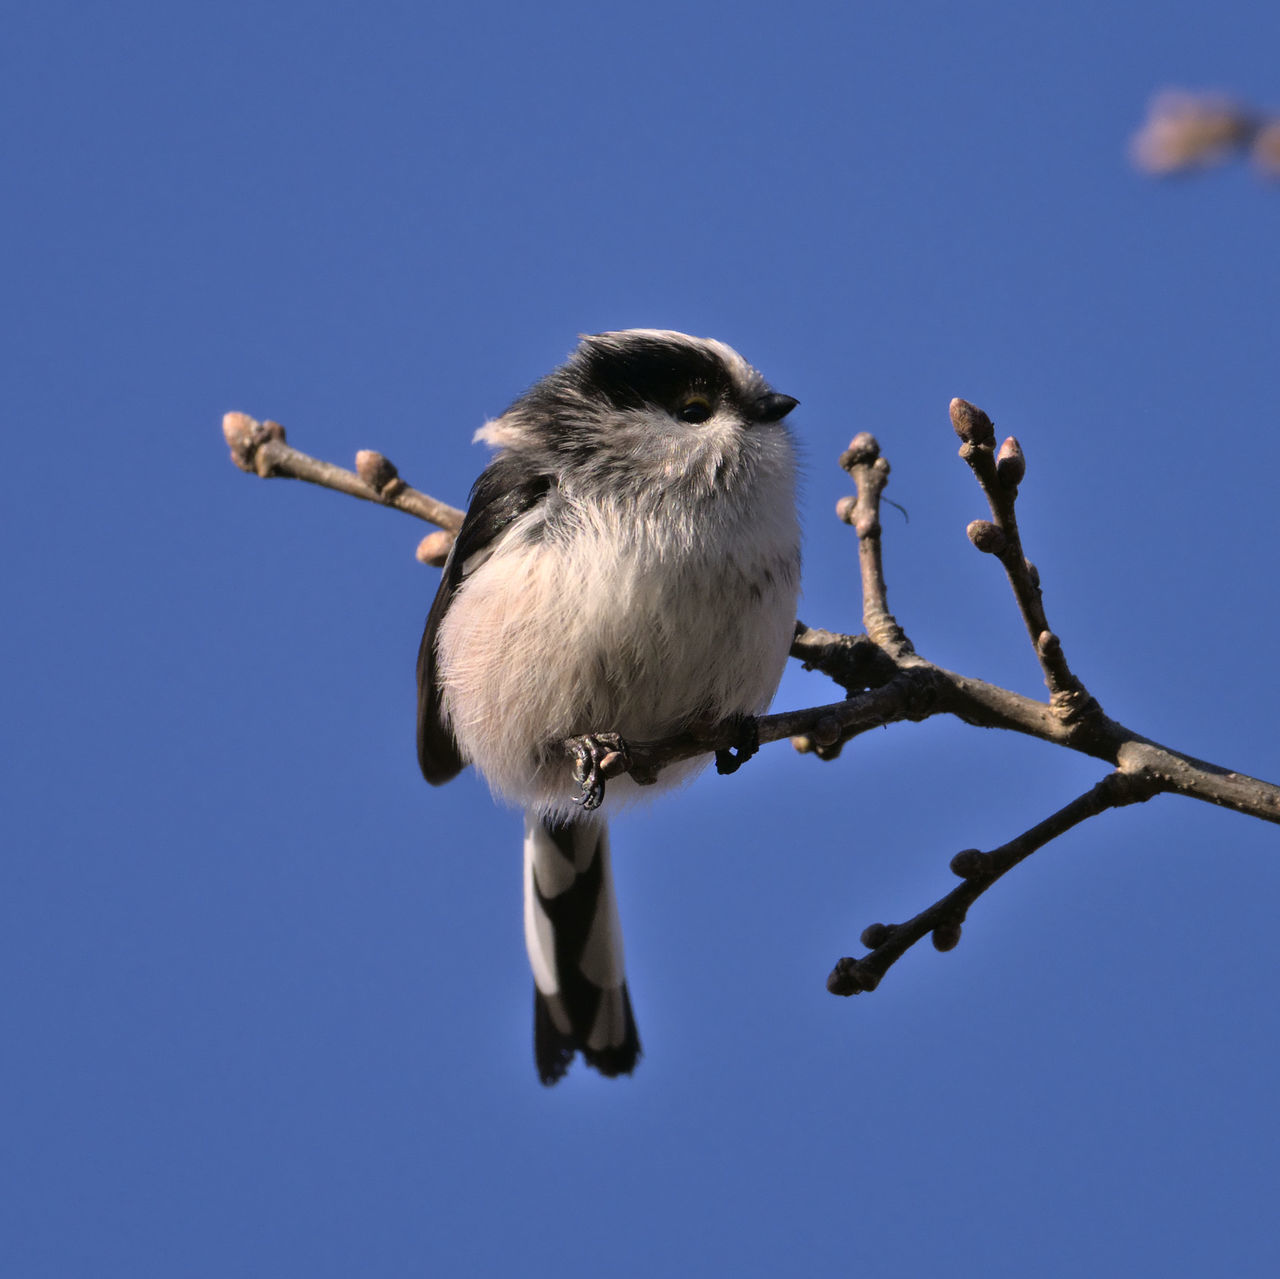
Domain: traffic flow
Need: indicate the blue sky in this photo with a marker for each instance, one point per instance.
(265, 1006)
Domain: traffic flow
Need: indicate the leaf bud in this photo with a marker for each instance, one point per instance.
(434, 548)
(1011, 464)
(971, 424)
(946, 936)
(987, 537)
(378, 473)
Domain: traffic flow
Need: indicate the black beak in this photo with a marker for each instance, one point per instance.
(773, 407)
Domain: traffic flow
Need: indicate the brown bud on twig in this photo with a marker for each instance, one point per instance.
(874, 935)
(971, 864)
(805, 744)
(868, 979)
(378, 473)
(863, 448)
(1011, 466)
(434, 548)
(852, 977)
(237, 430)
(846, 507)
(987, 537)
(946, 936)
(826, 732)
(1048, 645)
(245, 436)
(971, 424)
(236, 427)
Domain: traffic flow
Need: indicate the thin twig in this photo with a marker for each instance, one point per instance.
(1187, 131)
(884, 679)
(999, 476)
(921, 690)
(260, 448)
(885, 683)
(870, 473)
(978, 870)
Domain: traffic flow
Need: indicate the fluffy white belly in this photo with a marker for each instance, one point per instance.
(544, 642)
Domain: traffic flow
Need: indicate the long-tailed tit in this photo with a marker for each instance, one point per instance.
(628, 568)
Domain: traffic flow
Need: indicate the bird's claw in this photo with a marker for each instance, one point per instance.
(595, 756)
(733, 758)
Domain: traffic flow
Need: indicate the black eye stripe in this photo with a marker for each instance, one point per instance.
(651, 371)
(633, 371)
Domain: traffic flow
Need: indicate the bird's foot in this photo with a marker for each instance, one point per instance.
(746, 745)
(596, 756)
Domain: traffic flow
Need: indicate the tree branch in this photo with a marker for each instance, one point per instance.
(870, 474)
(1187, 131)
(260, 448)
(999, 476)
(978, 870)
(884, 679)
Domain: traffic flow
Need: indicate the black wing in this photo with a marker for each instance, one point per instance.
(503, 493)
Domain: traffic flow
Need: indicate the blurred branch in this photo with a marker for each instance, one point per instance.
(1187, 131)
(884, 679)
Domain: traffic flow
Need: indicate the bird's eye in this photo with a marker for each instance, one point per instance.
(695, 409)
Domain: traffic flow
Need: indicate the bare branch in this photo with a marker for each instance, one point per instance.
(260, 448)
(919, 690)
(978, 870)
(870, 472)
(1185, 131)
(999, 476)
(884, 680)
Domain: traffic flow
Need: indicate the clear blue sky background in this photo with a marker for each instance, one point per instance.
(264, 1005)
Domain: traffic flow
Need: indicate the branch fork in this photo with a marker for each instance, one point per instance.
(883, 678)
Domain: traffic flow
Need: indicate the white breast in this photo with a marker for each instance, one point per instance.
(610, 621)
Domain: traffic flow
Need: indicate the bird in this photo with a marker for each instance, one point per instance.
(627, 569)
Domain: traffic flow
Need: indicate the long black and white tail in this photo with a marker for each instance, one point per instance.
(571, 927)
